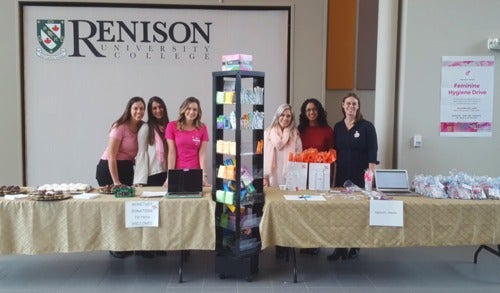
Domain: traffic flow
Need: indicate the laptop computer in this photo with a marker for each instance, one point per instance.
(184, 183)
(392, 181)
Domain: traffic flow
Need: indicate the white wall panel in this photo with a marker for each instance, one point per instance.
(70, 102)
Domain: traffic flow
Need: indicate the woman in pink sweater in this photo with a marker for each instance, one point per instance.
(280, 139)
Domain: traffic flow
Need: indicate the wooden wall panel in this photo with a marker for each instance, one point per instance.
(366, 60)
(341, 44)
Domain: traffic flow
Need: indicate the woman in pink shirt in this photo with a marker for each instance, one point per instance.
(187, 139)
(117, 162)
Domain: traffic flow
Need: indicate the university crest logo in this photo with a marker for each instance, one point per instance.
(50, 34)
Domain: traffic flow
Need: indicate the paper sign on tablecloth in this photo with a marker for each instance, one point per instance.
(86, 196)
(296, 177)
(305, 197)
(153, 194)
(141, 214)
(16, 196)
(386, 213)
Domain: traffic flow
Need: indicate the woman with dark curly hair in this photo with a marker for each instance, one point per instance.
(314, 133)
(313, 126)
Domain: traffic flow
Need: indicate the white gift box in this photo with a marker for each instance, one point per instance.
(319, 176)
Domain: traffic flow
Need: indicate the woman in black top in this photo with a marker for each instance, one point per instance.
(355, 141)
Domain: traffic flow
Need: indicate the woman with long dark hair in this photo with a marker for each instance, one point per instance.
(116, 166)
(151, 159)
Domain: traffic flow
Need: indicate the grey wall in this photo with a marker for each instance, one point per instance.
(10, 126)
(432, 29)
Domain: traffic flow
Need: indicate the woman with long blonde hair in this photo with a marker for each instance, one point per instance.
(280, 139)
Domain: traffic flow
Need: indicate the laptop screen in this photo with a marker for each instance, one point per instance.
(391, 180)
(185, 181)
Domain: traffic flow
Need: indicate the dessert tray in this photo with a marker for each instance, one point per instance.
(12, 189)
(66, 188)
(50, 197)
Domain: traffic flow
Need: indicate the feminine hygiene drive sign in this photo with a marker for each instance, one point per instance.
(467, 96)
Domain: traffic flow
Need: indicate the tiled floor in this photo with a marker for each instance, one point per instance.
(376, 270)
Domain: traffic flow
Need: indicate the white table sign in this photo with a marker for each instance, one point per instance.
(386, 213)
(141, 214)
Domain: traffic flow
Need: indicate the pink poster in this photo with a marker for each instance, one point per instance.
(466, 96)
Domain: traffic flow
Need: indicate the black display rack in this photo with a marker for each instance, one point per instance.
(237, 186)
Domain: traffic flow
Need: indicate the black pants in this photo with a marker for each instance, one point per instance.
(125, 172)
(157, 179)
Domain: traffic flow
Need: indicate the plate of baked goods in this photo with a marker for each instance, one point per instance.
(42, 195)
(11, 189)
(66, 188)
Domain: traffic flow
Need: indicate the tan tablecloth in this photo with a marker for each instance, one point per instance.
(343, 221)
(73, 225)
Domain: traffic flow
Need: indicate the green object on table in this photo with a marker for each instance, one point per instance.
(125, 192)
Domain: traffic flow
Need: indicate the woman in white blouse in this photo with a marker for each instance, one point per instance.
(151, 159)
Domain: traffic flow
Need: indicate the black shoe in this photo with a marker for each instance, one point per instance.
(145, 253)
(353, 253)
(338, 253)
(119, 254)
